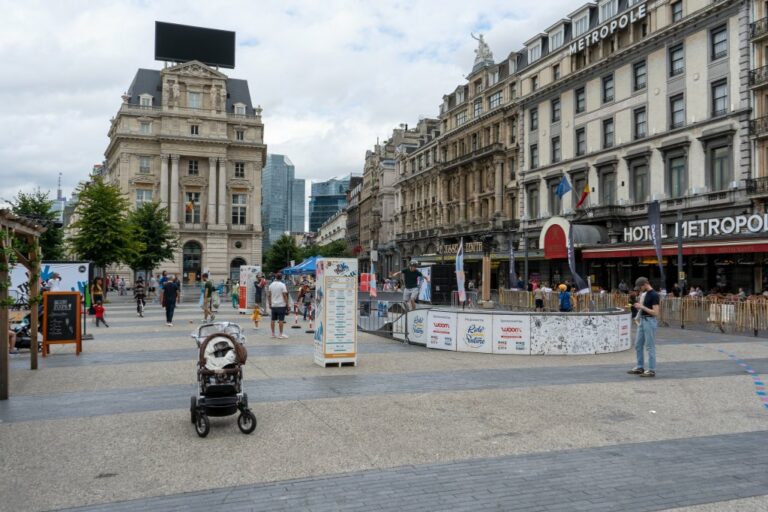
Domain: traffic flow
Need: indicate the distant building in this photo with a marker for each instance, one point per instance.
(328, 197)
(333, 229)
(282, 207)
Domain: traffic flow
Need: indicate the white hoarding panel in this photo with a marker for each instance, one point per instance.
(441, 330)
(512, 334)
(336, 295)
(247, 284)
(474, 333)
(625, 336)
(417, 326)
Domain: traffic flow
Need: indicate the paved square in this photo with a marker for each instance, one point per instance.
(408, 429)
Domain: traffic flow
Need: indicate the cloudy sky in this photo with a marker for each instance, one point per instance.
(331, 76)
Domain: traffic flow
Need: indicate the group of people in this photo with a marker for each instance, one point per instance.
(278, 302)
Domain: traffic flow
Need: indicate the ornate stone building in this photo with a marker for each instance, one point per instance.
(189, 137)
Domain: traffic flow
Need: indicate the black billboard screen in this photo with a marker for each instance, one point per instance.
(182, 43)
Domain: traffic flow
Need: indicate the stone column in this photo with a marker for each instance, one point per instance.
(212, 190)
(164, 181)
(223, 197)
(462, 197)
(477, 176)
(499, 192)
(256, 197)
(175, 190)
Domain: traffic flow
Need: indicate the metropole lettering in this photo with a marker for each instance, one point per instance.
(597, 35)
(738, 225)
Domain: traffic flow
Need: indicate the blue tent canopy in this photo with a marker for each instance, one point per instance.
(305, 267)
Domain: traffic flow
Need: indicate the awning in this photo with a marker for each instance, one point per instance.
(554, 237)
(689, 249)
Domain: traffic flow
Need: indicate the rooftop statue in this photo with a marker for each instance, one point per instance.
(483, 52)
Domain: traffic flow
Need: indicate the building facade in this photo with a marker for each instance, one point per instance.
(353, 219)
(333, 229)
(189, 137)
(283, 198)
(327, 198)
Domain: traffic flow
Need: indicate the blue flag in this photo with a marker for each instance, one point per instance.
(563, 187)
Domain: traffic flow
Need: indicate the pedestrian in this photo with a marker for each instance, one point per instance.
(256, 316)
(121, 286)
(12, 342)
(260, 284)
(152, 288)
(565, 299)
(538, 298)
(623, 287)
(169, 296)
(306, 300)
(235, 296)
(99, 312)
(277, 297)
(140, 296)
(162, 280)
(648, 312)
(208, 291)
(411, 277)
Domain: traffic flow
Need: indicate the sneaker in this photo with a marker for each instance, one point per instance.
(284, 336)
(273, 335)
(648, 373)
(636, 371)
(169, 324)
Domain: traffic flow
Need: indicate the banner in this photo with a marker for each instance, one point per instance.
(512, 334)
(74, 276)
(372, 285)
(578, 281)
(460, 272)
(441, 331)
(247, 282)
(474, 333)
(654, 227)
(425, 289)
(512, 273)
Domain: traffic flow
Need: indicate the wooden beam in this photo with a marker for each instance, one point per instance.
(34, 291)
(4, 339)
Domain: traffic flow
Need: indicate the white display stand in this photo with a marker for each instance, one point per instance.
(247, 284)
(335, 337)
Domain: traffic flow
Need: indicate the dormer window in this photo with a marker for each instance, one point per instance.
(145, 100)
(556, 39)
(240, 109)
(460, 96)
(580, 24)
(608, 9)
(534, 52)
(493, 77)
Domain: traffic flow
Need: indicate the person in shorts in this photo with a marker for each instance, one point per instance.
(277, 298)
(411, 277)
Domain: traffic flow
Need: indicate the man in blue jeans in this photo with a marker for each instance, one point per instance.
(648, 313)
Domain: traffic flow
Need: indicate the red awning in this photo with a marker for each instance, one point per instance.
(689, 249)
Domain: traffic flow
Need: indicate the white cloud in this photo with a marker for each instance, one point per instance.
(331, 76)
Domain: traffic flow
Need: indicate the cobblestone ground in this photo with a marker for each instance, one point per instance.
(407, 429)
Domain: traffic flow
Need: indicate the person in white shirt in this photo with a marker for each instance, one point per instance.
(277, 298)
(54, 283)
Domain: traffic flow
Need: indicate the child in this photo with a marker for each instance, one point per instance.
(256, 317)
(99, 310)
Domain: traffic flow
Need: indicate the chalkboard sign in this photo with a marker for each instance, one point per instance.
(61, 319)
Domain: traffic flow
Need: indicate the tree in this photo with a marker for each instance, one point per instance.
(335, 249)
(39, 207)
(102, 233)
(153, 231)
(281, 253)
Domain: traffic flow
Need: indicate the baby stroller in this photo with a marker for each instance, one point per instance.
(220, 363)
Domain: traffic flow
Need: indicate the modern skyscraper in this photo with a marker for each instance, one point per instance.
(328, 197)
(282, 207)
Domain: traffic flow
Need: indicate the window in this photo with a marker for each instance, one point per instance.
(240, 109)
(579, 181)
(143, 196)
(145, 128)
(495, 100)
(145, 164)
(608, 9)
(534, 119)
(719, 98)
(146, 101)
(478, 107)
(608, 188)
(534, 52)
(607, 88)
(608, 133)
(677, 111)
(240, 135)
(555, 149)
(556, 40)
(461, 118)
(719, 38)
(194, 129)
(192, 168)
(676, 60)
(581, 142)
(581, 100)
(640, 183)
(581, 24)
(676, 176)
(640, 75)
(641, 123)
(512, 91)
(534, 83)
(239, 208)
(460, 96)
(493, 77)
(534, 156)
(556, 72)
(195, 100)
(556, 110)
(554, 200)
(533, 203)
(192, 207)
(677, 11)
(719, 170)
(239, 169)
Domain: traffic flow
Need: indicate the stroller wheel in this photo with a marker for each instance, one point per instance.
(202, 425)
(246, 422)
(193, 409)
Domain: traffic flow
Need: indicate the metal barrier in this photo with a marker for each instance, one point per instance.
(470, 303)
(382, 317)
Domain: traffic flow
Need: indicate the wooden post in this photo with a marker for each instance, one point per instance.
(4, 273)
(486, 278)
(34, 291)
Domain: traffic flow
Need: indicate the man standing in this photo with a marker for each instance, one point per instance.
(168, 298)
(648, 312)
(277, 298)
(411, 277)
(208, 291)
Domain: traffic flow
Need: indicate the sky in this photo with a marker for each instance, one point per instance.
(331, 76)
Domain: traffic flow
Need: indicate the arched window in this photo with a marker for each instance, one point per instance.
(234, 269)
(192, 256)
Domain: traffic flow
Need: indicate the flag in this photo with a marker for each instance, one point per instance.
(654, 224)
(460, 272)
(512, 273)
(584, 196)
(372, 284)
(563, 187)
(577, 279)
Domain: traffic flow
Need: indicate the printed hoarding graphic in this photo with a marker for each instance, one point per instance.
(474, 333)
(441, 330)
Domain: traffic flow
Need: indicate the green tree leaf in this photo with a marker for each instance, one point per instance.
(281, 253)
(152, 230)
(39, 207)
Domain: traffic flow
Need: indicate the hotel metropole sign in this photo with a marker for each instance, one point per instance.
(704, 228)
(618, 23)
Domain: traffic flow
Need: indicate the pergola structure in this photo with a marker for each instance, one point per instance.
(13, 227)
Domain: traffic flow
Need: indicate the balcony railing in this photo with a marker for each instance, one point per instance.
(758, 76)
(241, 227)
(758, 126)
(184, 110)
(758, 28)
(480, 152)
(757, 186)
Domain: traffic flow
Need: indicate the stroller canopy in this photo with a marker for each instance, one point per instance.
(305, 267)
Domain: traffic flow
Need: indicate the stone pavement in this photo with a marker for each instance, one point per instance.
(408, 429)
